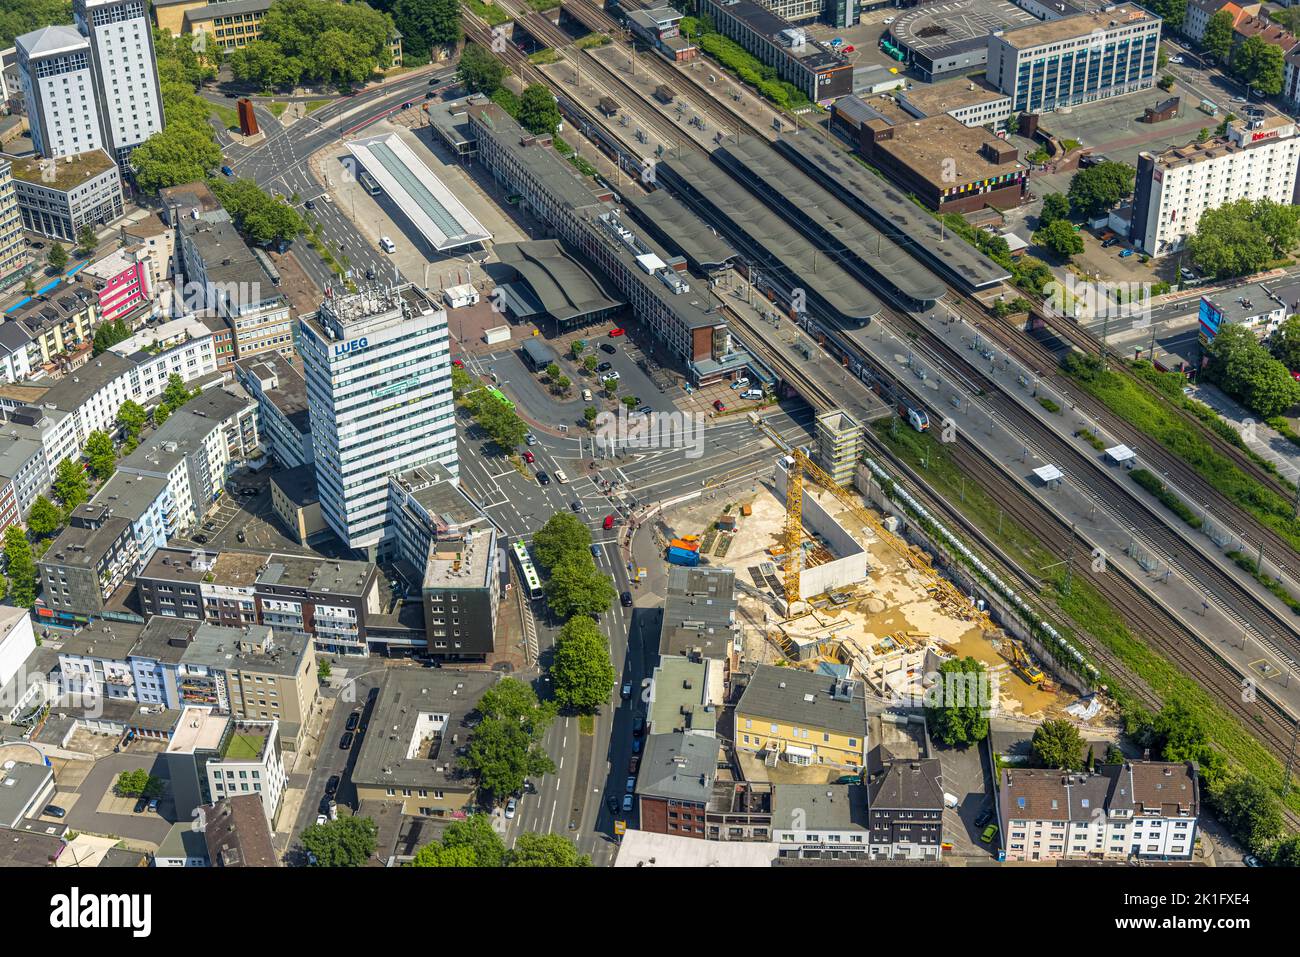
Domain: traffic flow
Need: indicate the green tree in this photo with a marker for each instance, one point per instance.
(1180, 734)
(1251, 812)
(1260, 65)
(553, 371)
(480, 71)
(1230, 241)
(263, 218)
(131, 418)
(476, 834)
(316, 41)
(44, 518)
(100, 455)
(70, 486)
(1217, 42)
(110, 334)
(1171, 11)
(132, 783)
(1058, 744)
(1285, 342)
(630, 401)
(20, 567)
(547, 850)
(578, 587)
(1114, 755)
(1060, 238)
(515, 701)
(1280, 223)
(590, 413)
(437, 855)
(1288, 18)
(610, 386)
(425, 24)
(178, 153)
(538, 111)
(460, 381)
(563, 538)
(501, 754)
(86, 240)
(563, 384)
(57, 257)
(581, 671)
(346, 842)
(957, 705)
(175, 394)
(1055, 207)
(161, 414)
(1243, 368)
(1287, 852)
(323, 669)
(589, 363)
(500, 422)
(1202, 135)
(1098, 188)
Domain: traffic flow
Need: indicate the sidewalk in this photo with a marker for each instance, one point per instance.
(1269, 443)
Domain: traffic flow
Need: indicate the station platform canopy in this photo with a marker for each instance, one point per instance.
(1120, 453)
(440, 217)
(1047, 473)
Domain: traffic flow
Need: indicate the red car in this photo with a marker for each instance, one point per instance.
(458, 363)
(529, 457)
(847, 49)
(615, 333)
(609, 522)
(717, 404)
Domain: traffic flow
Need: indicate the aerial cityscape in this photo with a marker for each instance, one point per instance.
(632, 433)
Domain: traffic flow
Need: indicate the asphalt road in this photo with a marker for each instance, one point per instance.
(280, 162)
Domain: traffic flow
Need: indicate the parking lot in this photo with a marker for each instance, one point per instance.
(966, 777)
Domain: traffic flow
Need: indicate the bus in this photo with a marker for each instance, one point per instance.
(501, 397)
(532, 581)
(368, 181)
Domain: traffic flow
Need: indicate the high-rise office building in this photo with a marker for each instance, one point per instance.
(378, 371)
(121, 48)
(58, 81)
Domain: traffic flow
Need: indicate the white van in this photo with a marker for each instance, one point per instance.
(387, 245)
(752, 394)
(561, 477)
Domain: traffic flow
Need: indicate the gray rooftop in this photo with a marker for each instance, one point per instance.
(805, 700)
(227, 8)
(681, 229)
(254, 649)
(182, 841)
(19, 787)
(532, 151)
(877, 251)
(678, 697)
(78, 547)
(784, 245)
(48, 40)
(298, 484)
(289, 394)
(818, 806)
(679, 766)
(565, 287)
(439, 494)
(890, 209)
(111, 640)
(391, 757)
(73, 390)
(15, 453)
(124, 495)
(698, 614)
(316, 574)
(909, 785)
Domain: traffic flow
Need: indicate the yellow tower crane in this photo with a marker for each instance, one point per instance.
(915, 558)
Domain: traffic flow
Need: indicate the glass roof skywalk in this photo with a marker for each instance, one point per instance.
(440, 217)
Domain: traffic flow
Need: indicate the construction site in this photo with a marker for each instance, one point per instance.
(823, 579)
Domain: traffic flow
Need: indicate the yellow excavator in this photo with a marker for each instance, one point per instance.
(1015, 653)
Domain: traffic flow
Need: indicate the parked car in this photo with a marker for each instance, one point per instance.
(638, 726)
(990, 832)
(153, 805)
(609, 522)
(53, 810)
(612, 374)
(625, 599)
(240, 536)
(200, 539)
(1126, 253)
(332, 785)
(645, 410)
(604, 367)
(322, 818)
(636, 745)
(633, 764)
(561, 477)
(627, 802)
(543, 478)
(985, 816)
(576, 506)
(310, 204)
(719, 405)
(607, 348)
(586, 395)
(530, 439)
(614, 333)
(345, 742)
(353, 720)
(595, 551)
(529, 457)
(457, 363)
(631, 784)
(1250, 860)
(627, 690)
(140, 805)
(511, 806)
(612, 803)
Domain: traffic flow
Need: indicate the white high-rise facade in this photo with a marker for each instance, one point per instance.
(378, 369)
(121, 49)
(58, 81)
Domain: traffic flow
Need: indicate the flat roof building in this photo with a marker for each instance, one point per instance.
(941, 40)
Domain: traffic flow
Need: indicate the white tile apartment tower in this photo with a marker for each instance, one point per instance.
(58, 80)
(121, 48)
(378, 370)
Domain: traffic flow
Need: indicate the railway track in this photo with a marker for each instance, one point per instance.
(1221, 590)
(1218, 508)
